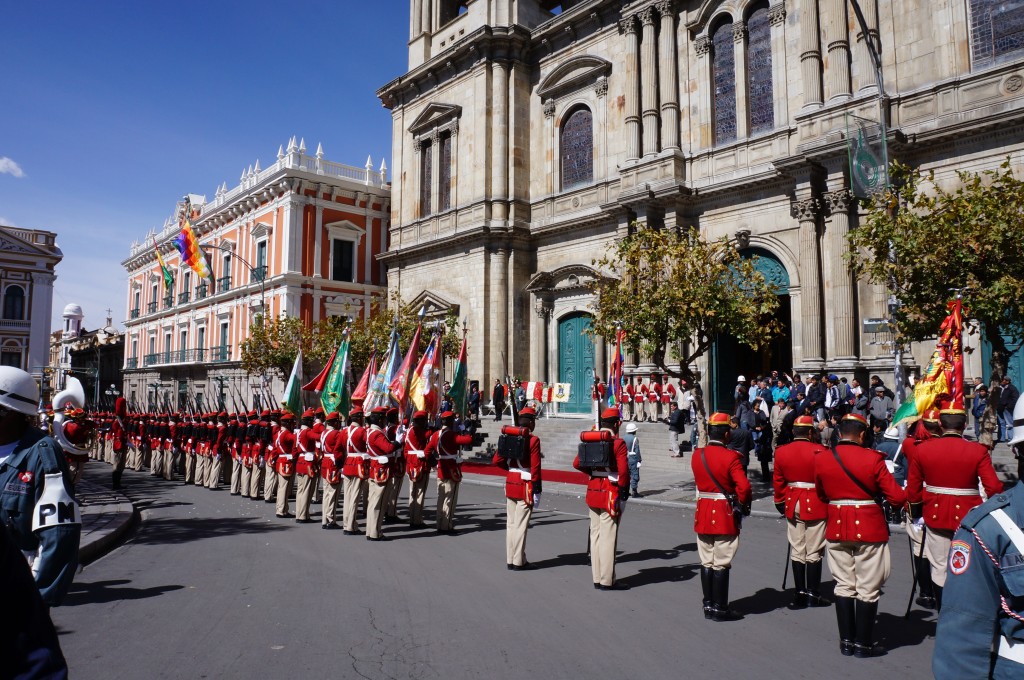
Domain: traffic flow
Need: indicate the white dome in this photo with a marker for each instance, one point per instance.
(73, 310)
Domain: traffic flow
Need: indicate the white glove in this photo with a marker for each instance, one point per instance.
(536, 501)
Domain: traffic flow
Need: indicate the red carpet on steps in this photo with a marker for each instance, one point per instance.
(566, 476)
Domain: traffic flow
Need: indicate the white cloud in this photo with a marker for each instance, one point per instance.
(9, 167)
(7, 223)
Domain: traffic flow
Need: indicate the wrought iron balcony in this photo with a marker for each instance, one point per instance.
(201, 292)
(183, 298)
(168, 302)
(258, 274)
(134, 313)
(151, 307)
(220, 354)
(132, 362)
(223, 284)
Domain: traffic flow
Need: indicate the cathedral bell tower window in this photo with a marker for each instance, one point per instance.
(576, 149)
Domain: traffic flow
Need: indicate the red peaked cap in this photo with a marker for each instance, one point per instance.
(419, 414)
(803, 421)
(333, 415)
(610, 413)
(308, 413)
(447, 414)
(529, 412)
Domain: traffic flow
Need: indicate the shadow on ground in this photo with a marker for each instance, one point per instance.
(111, 591)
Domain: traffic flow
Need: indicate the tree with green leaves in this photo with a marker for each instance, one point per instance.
(925, 243)
(675, 292)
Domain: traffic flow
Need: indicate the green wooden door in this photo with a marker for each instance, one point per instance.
(576, 362)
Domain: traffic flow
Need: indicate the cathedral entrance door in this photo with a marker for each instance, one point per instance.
(576, 362)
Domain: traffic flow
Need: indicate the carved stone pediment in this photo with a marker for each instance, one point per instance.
(572, 75)
(435, 306)
(573, 278)
(433, 116)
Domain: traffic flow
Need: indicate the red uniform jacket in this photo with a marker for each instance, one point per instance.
(794, 480)
(284, 450)
(654, 393)
(444, 446)
(415, 447)
(607, 484)
(521, 484)
(357, 463)
(944, 474)
(220, 446)
(668, 394)
(306, 456)
(714, 515)
(631, 392)
(119, 434)
(862, 520)
(379, 447)
(332, 447)
(641, 393)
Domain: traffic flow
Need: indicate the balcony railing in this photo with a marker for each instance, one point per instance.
(151, 307)
(15, 324)
(258, 274)
(168, 302)
(134, 313)
(201, 292)
(223, 284)
(132, 362)
(183, 298)
(220, 354)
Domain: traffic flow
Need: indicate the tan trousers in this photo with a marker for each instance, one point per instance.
(391, 497)
(447, 499)
(936, 549)
(245, 477)
(860, 569)
(213, 473)
(190, 467)
(284, 492)
(353, 488)
(807, 540)
(628, 412)
(330, 505)
(156, 462)
(120, 457)
(303, 495)
(717, 551)
(256, 481)
(375, 509)
(418, 497)
(604, 537)
(269, 483)
(236, 476)
(140, 459)
(517, 522)
(169, 465)
(201, 464)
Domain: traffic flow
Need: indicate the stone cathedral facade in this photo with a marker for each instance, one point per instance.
(529, 134)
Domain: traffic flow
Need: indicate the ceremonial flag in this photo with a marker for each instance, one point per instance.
(359, 395)
(869, 173)
(317, 384)
(378, 395)
(399, 386)
(292, 398)
(421, 391)
(188, 245)
(615, 371)
(458, 389)
(534, 390)
(334, 395)
(561, 392)
(945, 373)
(168, 277)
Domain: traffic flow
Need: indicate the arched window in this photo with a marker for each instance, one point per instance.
(444, 180)
(576, 149)
(14, 303)
(426, 177)
(760, 98)
(997, 30)
(723, 76)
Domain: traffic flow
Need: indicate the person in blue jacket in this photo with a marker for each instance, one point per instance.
(35, 503)
(981, 626)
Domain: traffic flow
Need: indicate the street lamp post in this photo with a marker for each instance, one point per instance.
(224, 247)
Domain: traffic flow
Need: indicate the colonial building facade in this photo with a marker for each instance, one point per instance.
(528, 135)
(27, 261)
(299, 239)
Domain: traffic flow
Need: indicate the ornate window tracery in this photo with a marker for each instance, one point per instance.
(576, 149)
(723, 78)
(760, 96)
(997, 30)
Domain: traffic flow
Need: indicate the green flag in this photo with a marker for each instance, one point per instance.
(868, 153)
(292, 391)
(458, 388)
(335, 396)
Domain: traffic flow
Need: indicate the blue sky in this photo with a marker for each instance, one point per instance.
(114, 110)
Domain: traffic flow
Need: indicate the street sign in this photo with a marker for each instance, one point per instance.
(876, 326)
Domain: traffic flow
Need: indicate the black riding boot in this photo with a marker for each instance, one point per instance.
(865, 646)
(938, 598)
(766, 473)
(923, 569)
(720, 595)
(800, 582)
(814, 598)
(705, 584)
(845, 617)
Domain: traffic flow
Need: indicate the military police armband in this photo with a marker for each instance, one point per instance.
(55, 507)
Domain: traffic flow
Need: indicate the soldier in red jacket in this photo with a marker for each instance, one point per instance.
(444, 448)
(607, 493)
(332, 458)
(234, 442)
(926, 428)
(379, 448)
(218, 451)
(851, 479)
(247, 430)
(797, 500)
(119, 440)
(942, 487)
(628, 401)
(654, 400)
(284, 464)
(522, 491)
(356, 470)
(417, 466)
(397, 476)
(306, 460)
(723, 493)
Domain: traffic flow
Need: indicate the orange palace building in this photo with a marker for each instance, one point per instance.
(299, 239)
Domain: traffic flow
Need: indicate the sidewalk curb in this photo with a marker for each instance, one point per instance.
(104, 523)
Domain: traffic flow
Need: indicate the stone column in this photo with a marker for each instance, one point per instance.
(837, 37)
(649, 87)
(499, 303)
(739, 39)
(702, 48)
(780, 80)
(866, 67)
(415, 25)
(669, 86)
(499, 140)
(425, 23)
(317, 253)
(539, 354)
(806, 213)
(841, 320)
(810, 52)
(435, 175)
(632, 91)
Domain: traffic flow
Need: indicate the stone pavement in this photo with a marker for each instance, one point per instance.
(106, 515)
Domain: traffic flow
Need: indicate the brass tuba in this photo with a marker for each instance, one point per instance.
(73, 395)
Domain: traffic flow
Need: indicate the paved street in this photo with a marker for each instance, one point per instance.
(211, 585)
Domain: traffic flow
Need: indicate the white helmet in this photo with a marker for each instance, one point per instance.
(18, 391)
(741, 378)
(1018, 422)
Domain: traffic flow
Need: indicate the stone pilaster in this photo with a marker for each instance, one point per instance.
(435, 173)
(806, 213)
(780, 69)
(649, 87)
(841, 321)
(810, 52)
(702, 48)
(669, 76)
(865, 67)
(542, 329)
(739, 38)
(837, 37)
(632, 90)
(499, 140)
